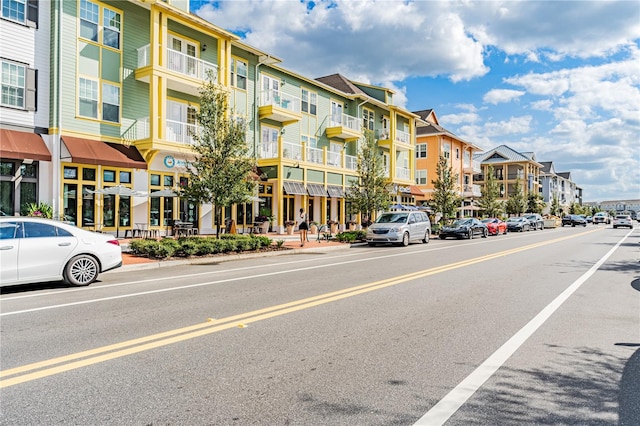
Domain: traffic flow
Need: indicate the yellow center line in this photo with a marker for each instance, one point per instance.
(106, 353)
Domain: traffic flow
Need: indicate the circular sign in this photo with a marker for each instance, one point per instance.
(169, 161)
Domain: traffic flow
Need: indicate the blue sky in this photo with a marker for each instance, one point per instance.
(560, 79)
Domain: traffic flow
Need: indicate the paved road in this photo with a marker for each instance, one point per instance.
(530, 328)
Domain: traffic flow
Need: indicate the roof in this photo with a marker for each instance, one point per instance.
(340, 82)
(504, 154)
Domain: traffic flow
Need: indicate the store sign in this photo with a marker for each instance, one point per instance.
(170, 162)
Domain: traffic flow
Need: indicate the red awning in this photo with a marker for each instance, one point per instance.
(414, 190)
(23, 146)
(88, 151)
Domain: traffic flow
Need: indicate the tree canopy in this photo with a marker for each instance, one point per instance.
(489, 202)
(446, 198)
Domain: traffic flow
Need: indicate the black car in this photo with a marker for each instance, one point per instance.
(535, 220)
(518, 224)
(464, 228)
(573, 220)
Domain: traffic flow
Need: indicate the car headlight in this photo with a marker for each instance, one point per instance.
(395, 229)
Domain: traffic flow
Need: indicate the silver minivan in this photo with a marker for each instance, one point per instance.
(399, 228)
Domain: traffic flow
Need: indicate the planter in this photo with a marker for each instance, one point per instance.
(264, 228)
(352, 226)
(552, 223)
(289, 229)
(334, 228)
(313, 229)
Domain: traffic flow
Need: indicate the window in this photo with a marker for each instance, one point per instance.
(90, 27)
(309, 102)
(88, 97)
(14, 10)
(367, 119)
(421, 150)
(457, 153)
(446, 151)
(89, 15)
(110, 103)
(13, 85)
(421, 177)
(239, 73)
(111, 32)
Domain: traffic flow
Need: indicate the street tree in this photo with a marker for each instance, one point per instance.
(555, 206)
(369, 193)
(517, 203)
(489, 202)
(535, 203)
(222, 169)
(446, 198)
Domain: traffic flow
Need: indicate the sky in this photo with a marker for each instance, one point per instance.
(557, 78)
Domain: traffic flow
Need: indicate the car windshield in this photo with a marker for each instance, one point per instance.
(461, 222)
(392, 218)
(514, 219)
(489, 220)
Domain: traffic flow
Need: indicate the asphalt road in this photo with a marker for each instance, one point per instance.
(540, 327)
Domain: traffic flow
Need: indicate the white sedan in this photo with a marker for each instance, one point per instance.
(38, 250)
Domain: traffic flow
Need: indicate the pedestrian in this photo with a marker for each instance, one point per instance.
(303, 227)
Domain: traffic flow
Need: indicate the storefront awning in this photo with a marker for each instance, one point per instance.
(23, 146)
(335, 191)
(88, 151)
(315, 189)
(415, 190)
(294, 188)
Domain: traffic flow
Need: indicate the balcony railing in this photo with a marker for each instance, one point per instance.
(472, 190)
(280, 99)
(333, 158)
(181, 63)
(382, 134)
(403, 173)
(292, 151)
(314, 155)
(269, 149)
(351, 162)
(403, 137)
(177, 131)
(345, 120)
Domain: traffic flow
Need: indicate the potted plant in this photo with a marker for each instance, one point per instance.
(289, 224)
(333, 226)
(352, 225)
(313, 227)
(40, 210)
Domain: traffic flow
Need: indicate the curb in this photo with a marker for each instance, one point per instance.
(224, 258)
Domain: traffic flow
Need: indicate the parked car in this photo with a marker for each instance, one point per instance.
(573, 220)
(38, 250)
(601, 217)
(495, 226)
(535, 220)
(589, 219)
(622, 220)
(400, 228)
(464, 228)
(518, 224)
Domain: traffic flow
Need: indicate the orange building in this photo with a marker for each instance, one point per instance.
(433, 141)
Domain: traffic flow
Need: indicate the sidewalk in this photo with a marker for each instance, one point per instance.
(292, 242)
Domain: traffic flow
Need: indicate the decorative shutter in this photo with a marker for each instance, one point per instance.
(31, 98)
(32, 13)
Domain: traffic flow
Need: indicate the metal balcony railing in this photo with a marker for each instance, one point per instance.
(345, 120)
(181, 63)
(403, 137)
(292, 151)
(280, 99)
(269, 150)
(314, 155)
(333, 158)
(402, 173)
(177, 131)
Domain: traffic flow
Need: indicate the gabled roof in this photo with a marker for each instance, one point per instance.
(427, 115)
(547, 168)
(340, 82)
(566, 175)
(504, 154)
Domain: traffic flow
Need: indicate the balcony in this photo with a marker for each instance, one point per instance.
(292, 151)
(314, 155)
(176, 133)
(472, 191)
(382, 134)
(472, 167)
(403, 173)
(403, 137)
(344, 126)
(278, 106)
(184, 73)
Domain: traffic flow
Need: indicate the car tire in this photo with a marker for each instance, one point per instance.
(425, 240)
(405, 239)
(485, 233)
(505, 231)
(470, 235)
(372, 244)
(81, 270)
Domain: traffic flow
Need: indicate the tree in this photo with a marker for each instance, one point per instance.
(221, 172)
(489, 203)
(516, 204)
(555, 206)
(446, 198)
(535, 204)
(369, 194)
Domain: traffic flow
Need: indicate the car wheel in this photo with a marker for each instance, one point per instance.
(405, 239)
(81, 270)
(615, 227)
(470, 235)
(485, 233)
(573, 225)
(442, 237)
(372, 244)
(426, 237)
(505, 231)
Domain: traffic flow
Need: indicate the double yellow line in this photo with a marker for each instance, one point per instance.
(62, 364)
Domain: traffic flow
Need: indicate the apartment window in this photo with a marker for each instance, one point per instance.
(446, 151)
(367, 119)
(457, 153)
(13, 85)
(90, 24)
(421, 150)
(110, 103)
(421, 177)
(239, 73)
(89, 18)
(88, 96)
(309, 102)
(14, 10)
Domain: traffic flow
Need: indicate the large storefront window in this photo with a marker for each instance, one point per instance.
(18, 186)
(161, 208)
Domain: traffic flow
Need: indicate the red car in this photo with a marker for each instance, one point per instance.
(495, 226)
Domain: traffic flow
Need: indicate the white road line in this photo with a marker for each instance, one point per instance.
(447, 406)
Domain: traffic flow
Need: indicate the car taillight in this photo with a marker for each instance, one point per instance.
(114, 242)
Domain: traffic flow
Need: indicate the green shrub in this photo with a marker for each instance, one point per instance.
(279, 243)
(350, 236)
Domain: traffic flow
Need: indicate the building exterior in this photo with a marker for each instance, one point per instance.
(25, 160)
(558, 185)
(620, 206)
(434, 141)
(510, 167)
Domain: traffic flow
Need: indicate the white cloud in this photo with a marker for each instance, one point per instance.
(497, 96)
(467, 117)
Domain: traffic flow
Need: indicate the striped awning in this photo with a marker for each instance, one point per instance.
(315, 189)
(294, 188)
(335, 191)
